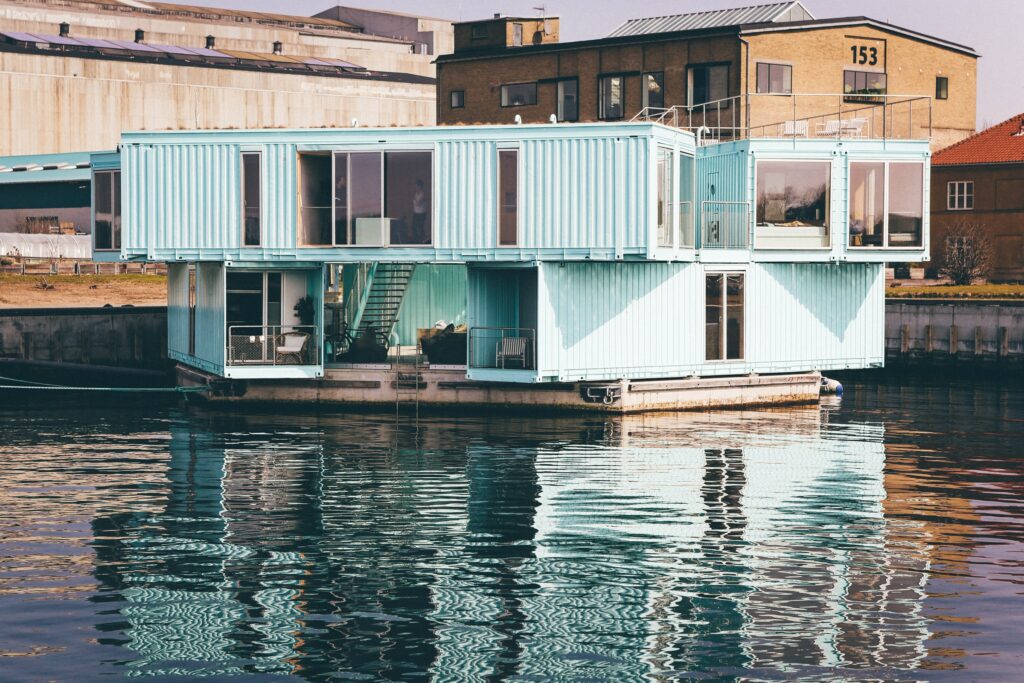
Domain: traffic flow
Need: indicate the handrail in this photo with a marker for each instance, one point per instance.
(736, 233)
(501, 347)
(262, 345)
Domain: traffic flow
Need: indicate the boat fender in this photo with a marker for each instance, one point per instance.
(831, 386)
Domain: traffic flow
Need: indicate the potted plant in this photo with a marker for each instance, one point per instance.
(305, 311)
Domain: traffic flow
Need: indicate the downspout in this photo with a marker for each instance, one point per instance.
(746, 82)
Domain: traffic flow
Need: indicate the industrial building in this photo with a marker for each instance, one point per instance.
(767, 70)
(76, 73)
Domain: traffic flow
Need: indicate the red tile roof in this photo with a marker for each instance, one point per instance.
(1000, 144)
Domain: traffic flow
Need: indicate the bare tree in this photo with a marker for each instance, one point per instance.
(968, 253)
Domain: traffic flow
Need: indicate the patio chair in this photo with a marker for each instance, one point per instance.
(512, 349)
(793, 129)
(830, 128)
(292, 346)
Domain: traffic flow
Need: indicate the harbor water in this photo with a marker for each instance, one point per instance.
(876, 537)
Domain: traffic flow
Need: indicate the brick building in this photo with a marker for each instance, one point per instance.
(753, 69)
(980, 180)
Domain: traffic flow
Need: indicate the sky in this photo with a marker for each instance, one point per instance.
(994, 28)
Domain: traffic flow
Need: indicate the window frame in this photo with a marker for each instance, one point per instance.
(462, 99)
(645, 91)
(859, 95)
(957, 193)
(478, 31)
(942, 93)
(241, 158)
(558, 98)
(885, 204)
(770, 66)
(725, 274)
(116, 212)
(502, 97)
(829, 202)
(519, 192)
(690, 68)
(601, 114)
(373, 149)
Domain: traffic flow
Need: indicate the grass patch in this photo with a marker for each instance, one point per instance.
(956, 292)
(31, 279)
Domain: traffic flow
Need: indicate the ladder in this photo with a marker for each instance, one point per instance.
(382, 299)
(408, 381)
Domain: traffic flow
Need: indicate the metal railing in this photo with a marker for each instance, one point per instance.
(802, 115)
(272, 345)
(503, 348)
(724, 225)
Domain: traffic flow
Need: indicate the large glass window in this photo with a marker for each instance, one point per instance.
(654, 90)
(508, 197)
(568, 100)
(611, 93)
(518, 94)
(244, 302)
(861, 85)
(685, 207)
(793, 193)
(315, 199)
(775, 78)
(106, 229)
(370, 198)
(707, 83)
(665, 187)
(723, 316)
(960, 195)
(252, 210)
(886, 204)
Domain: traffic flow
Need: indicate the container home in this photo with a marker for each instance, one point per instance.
(598, 264)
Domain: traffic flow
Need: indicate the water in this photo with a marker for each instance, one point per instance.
(878, 538)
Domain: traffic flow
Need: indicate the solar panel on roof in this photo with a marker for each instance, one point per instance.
(57, 40)
(343, 64)
(134, 47)
(100, 43)
(206, 52)
(313, 61)
(174, 50)
(22, 37)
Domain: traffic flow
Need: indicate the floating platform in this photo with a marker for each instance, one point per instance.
(386, 387)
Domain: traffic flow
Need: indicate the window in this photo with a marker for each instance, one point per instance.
(775, 78)
(517, 35)
(458, 99)
(886, 204)
(654, 90)
(478, 32)
(685, 201)
(518, 94)
(941, 88)
(665, 187)
(960, 195)
(707, 83)
(611, 93)
(252, 213)
(791, 197)
(860, 85)
(508, 197)
(723, 321)
(106, 230)
(568, 100)
(366, 199)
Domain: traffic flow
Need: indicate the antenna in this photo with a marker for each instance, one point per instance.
(542, 9)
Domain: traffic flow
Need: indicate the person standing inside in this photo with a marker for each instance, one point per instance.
(420, 205)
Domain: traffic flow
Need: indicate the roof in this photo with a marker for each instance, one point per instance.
(45, 168)
(1003, 143)
(757, 14)
(688, 34)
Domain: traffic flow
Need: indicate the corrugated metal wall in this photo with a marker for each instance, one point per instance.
(177, 307)
(210, 314)
(723, 175)
(493, 297)
(634, 320)
(436, 292)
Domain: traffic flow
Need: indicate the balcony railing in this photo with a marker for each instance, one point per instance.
(272, 345)
(503, 348)
(725, 225)
(802, 115)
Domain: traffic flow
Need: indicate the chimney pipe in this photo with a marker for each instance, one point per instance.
(210, 42)
(140, 35)
(277, 47)
(497, 15)
(65, 29)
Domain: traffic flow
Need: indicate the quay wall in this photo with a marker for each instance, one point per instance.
(126, 337)
(947, 333)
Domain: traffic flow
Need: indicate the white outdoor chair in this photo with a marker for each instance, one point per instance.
(828, 129)
(793, 129)
(512, 348)
(292, 345)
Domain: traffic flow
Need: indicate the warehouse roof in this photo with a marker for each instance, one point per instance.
(1003, 143)
(757, 14)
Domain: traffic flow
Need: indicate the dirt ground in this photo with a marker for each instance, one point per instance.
(71, 291)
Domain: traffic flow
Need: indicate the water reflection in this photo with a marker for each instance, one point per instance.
(787, 544)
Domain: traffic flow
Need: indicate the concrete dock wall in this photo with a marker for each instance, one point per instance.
(129, 337)
(954, 333)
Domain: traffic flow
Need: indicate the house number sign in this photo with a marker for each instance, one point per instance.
(864, 54)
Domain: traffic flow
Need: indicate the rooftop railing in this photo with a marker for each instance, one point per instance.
(805, 115)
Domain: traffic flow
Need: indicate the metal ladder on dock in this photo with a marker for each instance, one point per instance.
(408, 382)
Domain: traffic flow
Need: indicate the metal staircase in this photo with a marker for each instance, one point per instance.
(381, 300)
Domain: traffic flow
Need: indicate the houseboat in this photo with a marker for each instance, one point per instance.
(613, 266)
